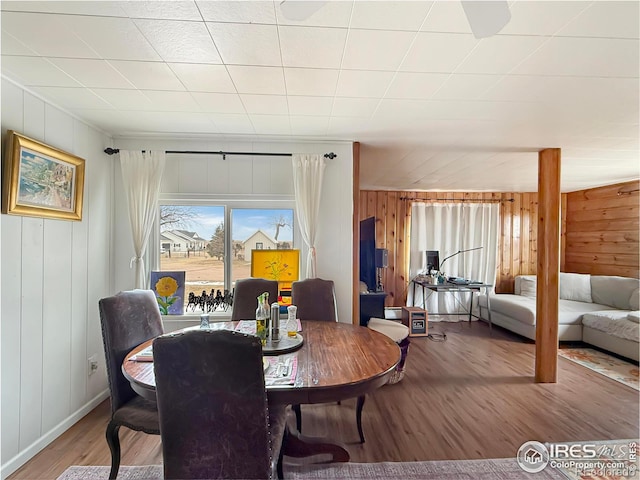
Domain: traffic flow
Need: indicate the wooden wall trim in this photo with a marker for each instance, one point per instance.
(355, 307)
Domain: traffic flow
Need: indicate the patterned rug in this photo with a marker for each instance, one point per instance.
(607, 365)
(493, 469)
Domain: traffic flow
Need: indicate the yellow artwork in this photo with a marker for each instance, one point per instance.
(280, 265)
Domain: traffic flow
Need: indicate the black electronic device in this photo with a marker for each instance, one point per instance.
(433, 260)
(382, 258)
(368, 253)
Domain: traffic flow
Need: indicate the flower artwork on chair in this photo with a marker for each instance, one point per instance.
(168, 288)
(280, 265)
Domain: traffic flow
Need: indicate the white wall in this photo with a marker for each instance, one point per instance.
(53, 272)
(253, 176)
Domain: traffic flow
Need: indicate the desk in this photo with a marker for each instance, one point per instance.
(331, 367)
(452, 288)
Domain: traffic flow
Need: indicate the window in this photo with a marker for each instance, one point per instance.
(214, 256)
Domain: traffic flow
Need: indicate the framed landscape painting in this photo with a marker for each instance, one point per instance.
(41, 181)
(169, 290)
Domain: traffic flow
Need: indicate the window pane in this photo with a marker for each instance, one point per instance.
(192, 240)
(258, 228)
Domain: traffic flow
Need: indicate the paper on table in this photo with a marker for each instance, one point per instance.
(246, 326)
(282, 370)
(145, 355)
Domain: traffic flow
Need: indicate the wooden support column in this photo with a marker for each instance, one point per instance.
(355, 308)
(548, 271)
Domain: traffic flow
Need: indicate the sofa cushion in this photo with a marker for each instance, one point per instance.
(528, 287)
(613, 322)
(613, 291)
(634, 316)
(634, 300)
(575, 286)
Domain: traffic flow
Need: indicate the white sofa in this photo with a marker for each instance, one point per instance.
(598, 309)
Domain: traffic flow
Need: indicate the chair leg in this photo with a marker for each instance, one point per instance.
(298, 412)
(114, 445)
(359, 407)
(279, 466)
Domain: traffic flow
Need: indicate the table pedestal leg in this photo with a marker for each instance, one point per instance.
(298, 446)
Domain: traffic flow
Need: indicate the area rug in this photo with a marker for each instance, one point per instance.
(493, 469)
(607, 365)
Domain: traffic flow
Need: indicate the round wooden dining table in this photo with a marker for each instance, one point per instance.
(336, 361)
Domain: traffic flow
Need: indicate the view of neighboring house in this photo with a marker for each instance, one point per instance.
(181, 242)
(258, 241)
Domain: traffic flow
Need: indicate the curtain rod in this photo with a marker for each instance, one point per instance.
(330, 155)
(472, 200)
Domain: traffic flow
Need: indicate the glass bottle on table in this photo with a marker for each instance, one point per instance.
(262, 313)
(292, 321)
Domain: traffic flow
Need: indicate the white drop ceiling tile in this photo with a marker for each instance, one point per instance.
(324, 14)
(203, 78)
(376, 49)
(157, 9)
(36, 71)
(92, 73)
(541, 18)
(500, 54)
(265, 104)
(164, 101)
(219, 102)
(446, 17)
(148, 75)
(53, 37)
(12, 46)
(466, 87)
(246, 44)
(583, 56)
(438, 52)
(305, 105)
(108, 120)
(616, 19)
(309, 125)
(230, 123)
(112, 38)
(310, 81)
(125, 99)
(177, 122)
(354, 107)
(180, 41)
(347, 126)
(108, 9)
(363, 83)
(416, 85)
(313, 47)
(70, 98)
(271, 124)
(389, 15)
(259, 80)
(238, 12)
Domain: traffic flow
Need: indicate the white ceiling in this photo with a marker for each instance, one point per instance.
(433, 107)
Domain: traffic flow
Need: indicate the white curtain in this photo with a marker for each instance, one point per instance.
(141, 175)
(308, 172)
(449, 228)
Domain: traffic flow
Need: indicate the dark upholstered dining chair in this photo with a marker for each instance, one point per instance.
(316, 300)
(245, 296)
(212, 403)
(127, 319)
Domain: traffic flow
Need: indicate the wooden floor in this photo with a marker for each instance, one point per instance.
(471, 396)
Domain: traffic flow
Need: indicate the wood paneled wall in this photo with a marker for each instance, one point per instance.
(602, 230)
(518, 233)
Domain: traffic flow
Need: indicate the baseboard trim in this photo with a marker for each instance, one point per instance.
(28, 453)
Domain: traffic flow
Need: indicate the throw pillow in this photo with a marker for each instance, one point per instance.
(634, 300)
(575, 286)
(528, 287)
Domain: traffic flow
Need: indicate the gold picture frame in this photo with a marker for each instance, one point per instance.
(41, 181)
